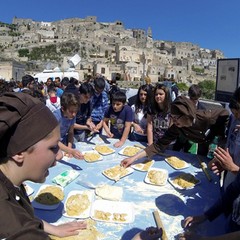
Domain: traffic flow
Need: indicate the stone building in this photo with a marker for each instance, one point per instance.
(111, 48)
(12, 70)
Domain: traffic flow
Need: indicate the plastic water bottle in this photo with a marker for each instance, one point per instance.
(212, 147)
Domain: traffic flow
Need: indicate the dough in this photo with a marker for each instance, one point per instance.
(109, 192)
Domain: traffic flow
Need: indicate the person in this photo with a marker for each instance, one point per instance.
(99, 103)
(66, 117)
(84, 124)
(228, 204)
(140, 108)
(158, 116)
(150, 233)
(228, 158)
(53, 101)
(113, 88)
(194, 93)
(57, 84)
(192, 123)
(194, 236)
(120, 117)
(27, 84)
(27, 155)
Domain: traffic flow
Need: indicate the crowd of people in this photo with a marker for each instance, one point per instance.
(71, 112)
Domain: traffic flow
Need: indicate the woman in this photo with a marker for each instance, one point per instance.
(158, 117)
(27, 151)
(189, 122)
(140, 109)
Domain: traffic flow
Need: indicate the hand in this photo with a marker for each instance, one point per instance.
(215, 166)
(118, 144)
(69, 229)
(110, 135)
(150, 233)
(225, 159)
(138, 129)
(189, 221)
(189, 236)
(127, 162)
(77, 154)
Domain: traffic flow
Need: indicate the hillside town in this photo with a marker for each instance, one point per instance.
(29, 46)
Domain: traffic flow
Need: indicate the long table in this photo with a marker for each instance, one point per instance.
(173, 204)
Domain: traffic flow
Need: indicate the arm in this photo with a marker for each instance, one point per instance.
(149, 129)
(70, 151)
(81, 127)
(70, 136)
(106, 128)
(125, 134)
(64, 230)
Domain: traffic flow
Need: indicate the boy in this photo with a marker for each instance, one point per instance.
(84, 124)
(99, 103)
(66, 117)
(120, 117)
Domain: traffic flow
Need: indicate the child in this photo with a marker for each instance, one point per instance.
(27, 155)
(66, 117)
(53, 101)
(120, 117)
(99, 103)
(84, 124)
(140, 109)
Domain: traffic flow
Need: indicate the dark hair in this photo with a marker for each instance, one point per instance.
(138, 105)
(99, 83)
(68, 100)
(65, 81)
(119, 96)
(51, 88)
(234, 102)
(73, 80)
(167, 100)
(26, 80)
(194, 92)
(86, 88)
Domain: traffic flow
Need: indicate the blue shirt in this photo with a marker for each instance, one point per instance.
(118, 119)
(64, 122)
(99, 105)
(82, 115)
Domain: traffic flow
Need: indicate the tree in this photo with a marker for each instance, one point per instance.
(208, 89)
(182, 87)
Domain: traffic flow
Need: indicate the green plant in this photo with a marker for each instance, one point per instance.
(208, 89)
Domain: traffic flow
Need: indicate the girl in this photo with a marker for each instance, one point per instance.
(158, 117)
(27, 151)
(140, 109)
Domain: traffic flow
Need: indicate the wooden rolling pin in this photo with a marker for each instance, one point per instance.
(159, 224)
(205, 169)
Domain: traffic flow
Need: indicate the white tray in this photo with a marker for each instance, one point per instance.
(84, 214)
(113, 207)
(44, 206)
(93, 151)
(162, 171)
(170, 179)
(121, 152)
(117, 177)
(142, 166)
(186, 165)
(106, 153)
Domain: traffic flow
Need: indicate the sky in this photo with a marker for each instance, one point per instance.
(211, 24)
